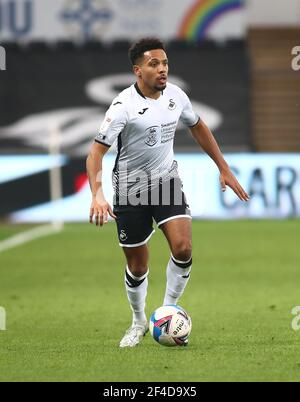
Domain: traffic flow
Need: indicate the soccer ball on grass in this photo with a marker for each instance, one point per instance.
(170, 325)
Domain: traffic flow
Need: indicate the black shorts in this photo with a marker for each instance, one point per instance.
(135, 222)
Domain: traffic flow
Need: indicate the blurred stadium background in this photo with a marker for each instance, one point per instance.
(63, 61)
(66, 60)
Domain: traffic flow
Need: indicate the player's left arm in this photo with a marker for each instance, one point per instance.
(206, 140)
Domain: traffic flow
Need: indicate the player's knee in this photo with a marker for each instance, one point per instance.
(183, 251)
(137, 269)
(134, 280)
(137, 261)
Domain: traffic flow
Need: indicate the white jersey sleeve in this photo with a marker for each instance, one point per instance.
(188, 116)
(113, 124)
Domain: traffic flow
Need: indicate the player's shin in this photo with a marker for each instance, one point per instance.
(178, 274)
(136, 289)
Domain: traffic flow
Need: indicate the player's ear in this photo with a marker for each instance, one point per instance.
(137, 71)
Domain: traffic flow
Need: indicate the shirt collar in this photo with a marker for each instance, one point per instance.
(140, 92)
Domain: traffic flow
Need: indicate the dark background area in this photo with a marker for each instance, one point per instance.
(41, 78)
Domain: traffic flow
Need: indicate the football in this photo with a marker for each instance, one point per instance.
(170, 325)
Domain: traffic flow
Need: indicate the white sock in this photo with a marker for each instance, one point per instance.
(178, 274)
(136, 289)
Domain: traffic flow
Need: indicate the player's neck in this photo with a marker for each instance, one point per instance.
(148, 92)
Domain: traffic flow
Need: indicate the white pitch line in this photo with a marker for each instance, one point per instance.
(30, 235)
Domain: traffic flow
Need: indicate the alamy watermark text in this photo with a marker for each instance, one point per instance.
(296, 320)
(2, 319)
(296, 59)
(2, 58)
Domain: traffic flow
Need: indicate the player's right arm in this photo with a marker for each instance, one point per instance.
(113, 124)
(100, 208)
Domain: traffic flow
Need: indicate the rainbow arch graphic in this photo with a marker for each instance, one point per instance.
(203, 14)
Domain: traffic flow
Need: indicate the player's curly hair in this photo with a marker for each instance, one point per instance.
(137, 50)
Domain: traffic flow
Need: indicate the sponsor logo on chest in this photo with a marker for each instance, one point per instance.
(160, 133)
(152, 136)
(163, 133)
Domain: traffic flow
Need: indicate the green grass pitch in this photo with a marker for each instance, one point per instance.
(67, 309)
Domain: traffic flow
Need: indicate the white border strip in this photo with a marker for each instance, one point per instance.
(173, 217)
(181, 262)
(29, 235)
(137, 278)
(138, 244)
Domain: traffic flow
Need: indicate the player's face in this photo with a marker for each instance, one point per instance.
(154, 69)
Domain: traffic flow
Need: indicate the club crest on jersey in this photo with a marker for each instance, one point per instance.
(172, 105)
(152, 136)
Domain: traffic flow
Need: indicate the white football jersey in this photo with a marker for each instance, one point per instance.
(145, 129)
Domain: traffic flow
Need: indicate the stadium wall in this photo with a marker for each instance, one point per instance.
(275, 88)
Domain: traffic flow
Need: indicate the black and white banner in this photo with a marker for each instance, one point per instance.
(68, 90)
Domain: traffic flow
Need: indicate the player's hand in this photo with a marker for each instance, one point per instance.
(227, 178)
(100, 210)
